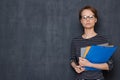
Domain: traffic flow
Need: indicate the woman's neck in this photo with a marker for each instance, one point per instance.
(89, 33)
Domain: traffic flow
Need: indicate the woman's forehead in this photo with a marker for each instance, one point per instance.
(87, 12)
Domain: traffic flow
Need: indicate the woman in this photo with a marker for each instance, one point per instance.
(88, 18)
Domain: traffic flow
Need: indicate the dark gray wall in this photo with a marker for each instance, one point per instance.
(35, 37)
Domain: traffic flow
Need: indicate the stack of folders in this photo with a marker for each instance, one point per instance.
(97, 54)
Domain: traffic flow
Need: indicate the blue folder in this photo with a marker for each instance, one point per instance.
(99, 54)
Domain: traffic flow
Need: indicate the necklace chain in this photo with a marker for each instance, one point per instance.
(86, 36)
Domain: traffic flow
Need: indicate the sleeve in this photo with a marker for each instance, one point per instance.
(110, 64)
(73, 57)
(110, 61)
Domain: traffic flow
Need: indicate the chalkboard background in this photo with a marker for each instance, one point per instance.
(35, 37)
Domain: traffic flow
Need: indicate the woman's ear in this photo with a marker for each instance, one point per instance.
(80, 20)
(95, 20)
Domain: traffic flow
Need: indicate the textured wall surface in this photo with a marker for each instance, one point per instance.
(35, 37)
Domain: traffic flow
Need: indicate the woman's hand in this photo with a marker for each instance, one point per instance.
(84, 62)
(79, 69)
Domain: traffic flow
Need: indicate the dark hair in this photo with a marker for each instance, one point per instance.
(89, 8)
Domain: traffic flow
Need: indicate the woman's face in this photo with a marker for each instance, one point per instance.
(88, 19)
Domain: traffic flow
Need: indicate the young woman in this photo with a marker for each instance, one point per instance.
(88, 18)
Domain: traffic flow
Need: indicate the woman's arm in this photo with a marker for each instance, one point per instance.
(85, 62)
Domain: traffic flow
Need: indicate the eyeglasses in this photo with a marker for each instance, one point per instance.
(91, 17)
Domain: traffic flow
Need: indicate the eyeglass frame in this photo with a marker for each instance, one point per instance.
(91, 17)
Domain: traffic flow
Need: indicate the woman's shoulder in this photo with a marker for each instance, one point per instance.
(100, 36)
(77, 38)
